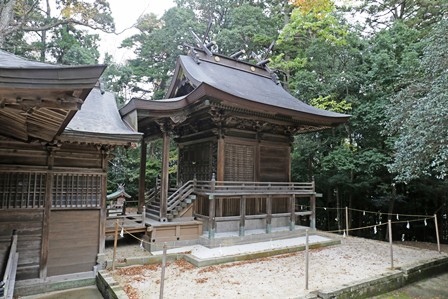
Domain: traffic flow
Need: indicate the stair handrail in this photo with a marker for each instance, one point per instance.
(180, 195)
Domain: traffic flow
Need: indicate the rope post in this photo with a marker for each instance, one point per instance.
(437, 232)
(162, 277)
(346, 221)
(115, 245)
(390, 243)
(306, 259)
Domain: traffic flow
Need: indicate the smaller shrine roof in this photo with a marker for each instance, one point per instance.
(120, 192)
(99, 120)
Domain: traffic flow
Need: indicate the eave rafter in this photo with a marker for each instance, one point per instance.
(35, 100)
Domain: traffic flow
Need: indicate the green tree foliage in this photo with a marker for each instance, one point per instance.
(71, 46)
(415, 13)
(157, 48)
(248, 28)
(419, 113)
(32, 27)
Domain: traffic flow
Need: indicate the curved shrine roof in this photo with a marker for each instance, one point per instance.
(231, 83)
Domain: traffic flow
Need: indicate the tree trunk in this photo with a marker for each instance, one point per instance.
(6, 16)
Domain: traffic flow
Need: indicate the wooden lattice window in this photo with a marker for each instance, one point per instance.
(76, 190)
(239, 162)
(22, 190)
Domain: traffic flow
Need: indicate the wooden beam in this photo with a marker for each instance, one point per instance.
(220, 157)
(141, 187)
(211, 217)
(46, 216)
(165, 177)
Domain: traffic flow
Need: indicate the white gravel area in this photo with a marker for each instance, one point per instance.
(281, 276)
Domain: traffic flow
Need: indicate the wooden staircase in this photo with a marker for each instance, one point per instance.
(178, 203)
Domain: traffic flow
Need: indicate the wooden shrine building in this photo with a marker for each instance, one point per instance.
(234, 125)
(57, 131)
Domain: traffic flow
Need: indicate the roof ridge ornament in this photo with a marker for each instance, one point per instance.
(263, 63)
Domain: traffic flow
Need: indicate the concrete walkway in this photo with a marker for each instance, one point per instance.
(435, 287)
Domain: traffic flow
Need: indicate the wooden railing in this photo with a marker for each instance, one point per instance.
(226, 188)
(265, 191)
(9, 276)
(180, 195)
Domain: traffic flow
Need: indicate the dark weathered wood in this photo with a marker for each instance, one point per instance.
(220, 157)
(46, 216)
(68, 228)
(141, 187)
(211, 217)
(165, 177)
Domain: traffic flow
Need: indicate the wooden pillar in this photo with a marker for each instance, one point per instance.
(242, 216)
(221, 159)
(292, 210)
(165, 176)
(142, 183)
(268, 214)
(103, 212)
(211, 210)
(47, 212)
(211, 217)
(220, 171)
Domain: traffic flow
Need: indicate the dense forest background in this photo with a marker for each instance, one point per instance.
(385, 62)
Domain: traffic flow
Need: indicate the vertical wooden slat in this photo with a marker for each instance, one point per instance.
(16, 194)
(141, 187)
(33, 205)
(220, 157)
(165, 176)
(72, 198)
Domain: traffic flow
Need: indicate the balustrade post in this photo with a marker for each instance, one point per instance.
(211, 210)
(269, 214)
(292, 209)
(242, 216)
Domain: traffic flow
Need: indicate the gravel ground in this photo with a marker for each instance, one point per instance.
(281, 276)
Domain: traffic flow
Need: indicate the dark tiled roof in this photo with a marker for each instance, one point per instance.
(99, 118)
(237, 79)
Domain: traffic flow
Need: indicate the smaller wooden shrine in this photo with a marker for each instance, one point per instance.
(116, 201)
(234, 125)
(57, 131)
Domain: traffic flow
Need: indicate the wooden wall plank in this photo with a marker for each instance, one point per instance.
(28, 224)
(74, 241)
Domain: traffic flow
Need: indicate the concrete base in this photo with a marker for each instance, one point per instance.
(251, 236)
(55, 283)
